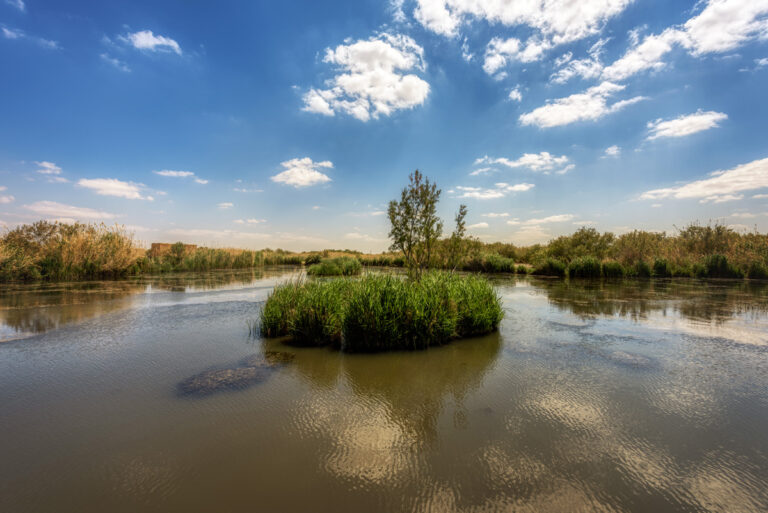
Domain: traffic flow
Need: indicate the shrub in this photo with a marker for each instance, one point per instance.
(550, 267)
(757, 271)
(613, 269)
(312, 259)
(521, 269)
(489, 263)
(717, 266)
(661, 268)
(642, 269)
(584, 267)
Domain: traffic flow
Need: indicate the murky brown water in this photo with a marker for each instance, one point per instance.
(592, 397)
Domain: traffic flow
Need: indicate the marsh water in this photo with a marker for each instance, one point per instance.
(629, 396)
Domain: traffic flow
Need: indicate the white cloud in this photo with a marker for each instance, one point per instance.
(10, 33)
(18, 4)
(515, 94)
(560, 21)
(722, 26)
(225, 205)
(721, 186)
(760, 196)
(761, 63)
(543, 161)
(114, 187)
(59, 210)
(302, 172)
(591, 105)
(500, 190)
(585, 68)
(560, 218)
(4, 200)
(201, 233)
(250, 221)
(115, 62)
(477, 226)
(481, 171)
(612, 151)
(169, 173)
(362, 237)
(685, 125)
(147, 40)
(371, 79)
(48, 168)
(244, 189)
(3, 188)
(500, 53)
(495, 214)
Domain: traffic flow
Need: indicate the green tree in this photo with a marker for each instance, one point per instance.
(415, 227)
(457, 244)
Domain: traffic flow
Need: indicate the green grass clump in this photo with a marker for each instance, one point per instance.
(642, 270)
(757, 271)
(522, 269)
(489, 263)
(550, 267)
(584, 267)
(661, 268)
(383, 312)
(717, 266)
(342, 266)
(613, 269)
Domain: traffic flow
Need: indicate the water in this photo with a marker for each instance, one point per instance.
(591, 397)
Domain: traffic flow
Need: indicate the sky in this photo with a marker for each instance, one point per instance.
(292, 124)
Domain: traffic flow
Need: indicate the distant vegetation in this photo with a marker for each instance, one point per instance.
(382, 311)
(341, 266)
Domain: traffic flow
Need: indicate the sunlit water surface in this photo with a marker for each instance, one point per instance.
(592, 397)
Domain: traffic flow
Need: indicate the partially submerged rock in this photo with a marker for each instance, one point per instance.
(269, 359)
(209, 382)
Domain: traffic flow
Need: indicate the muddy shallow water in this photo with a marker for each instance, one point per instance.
(149, 395)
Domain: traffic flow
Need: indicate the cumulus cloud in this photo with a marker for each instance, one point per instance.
(590, 105)
(721, 186)
(612, 151)
(502, 52)
(371, 78)
(303, 172)
(722, 26)
(48, 168)
(169, 173)
(147, 40)
(495, 214)
(515, 95)
(543, 161)
(560, 21)
(499, 190)
(477, 226)
(4, 200)
(114, 187)
(685, 125)
(60, 210)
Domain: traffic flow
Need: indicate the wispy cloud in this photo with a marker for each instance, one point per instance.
(169, 173)
(499, 190)
(543, 161)
(48, 168)
(590, 105)
(303, 172)
(226, 205)
(10, 33)
(116, 63)
(250, 221)
(4, 200)
(722, 186)
(477, 226)
(114, 187)
(685, 125)
(60, 210)
(18, 4)
(612, 152)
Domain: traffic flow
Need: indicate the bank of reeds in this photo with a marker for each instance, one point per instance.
(382, 312)
(340, 266)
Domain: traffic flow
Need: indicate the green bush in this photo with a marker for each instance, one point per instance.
(521, 269)
(549, 267)
(584, 267)
(642, 269)
(717, 266)
(757, 271)
(613, 269)
(312, 259)
(342, 266)
(382, 312)
(661, 268)
(489, 263)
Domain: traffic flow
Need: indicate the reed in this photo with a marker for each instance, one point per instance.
(382, 311)
(341, 266)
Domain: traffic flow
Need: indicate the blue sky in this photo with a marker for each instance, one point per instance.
(292, 124)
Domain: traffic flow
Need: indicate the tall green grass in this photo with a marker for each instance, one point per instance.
(382, 312)
(341, 266)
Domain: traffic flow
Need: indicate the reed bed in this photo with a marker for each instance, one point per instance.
(340, 266)
(382, 311)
